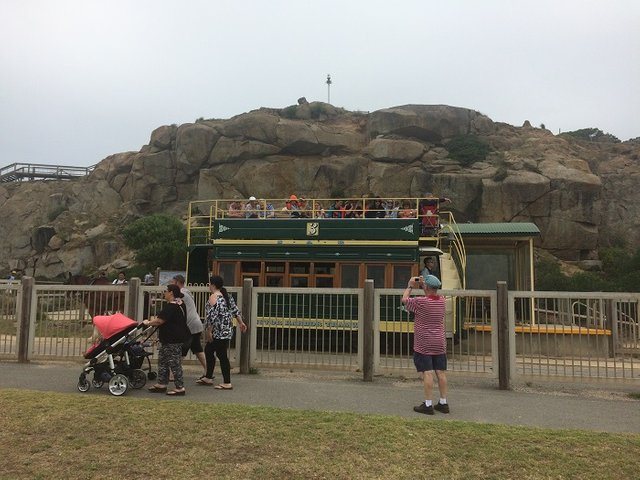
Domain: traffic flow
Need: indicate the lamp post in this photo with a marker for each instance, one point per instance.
(329, 82)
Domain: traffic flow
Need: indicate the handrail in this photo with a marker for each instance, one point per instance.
(355, 207)
(17, 171)
(202, 213)
(596, 314)
(458, 245)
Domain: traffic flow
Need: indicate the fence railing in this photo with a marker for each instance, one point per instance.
(573, 334)
(10, 307)
(569, 334)
(38, 171)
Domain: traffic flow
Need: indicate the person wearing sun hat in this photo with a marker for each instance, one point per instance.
(429, 341)
(251, 208)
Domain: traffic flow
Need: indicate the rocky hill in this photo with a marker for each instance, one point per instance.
(582, 195)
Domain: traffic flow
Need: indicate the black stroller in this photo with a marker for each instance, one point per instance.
(120, 358)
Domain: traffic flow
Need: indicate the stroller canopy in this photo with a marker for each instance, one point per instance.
(109, 325)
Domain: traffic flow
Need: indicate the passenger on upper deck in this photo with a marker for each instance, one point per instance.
(266, 209)
(375, 209)
(318, 210)
(391, 208)
(430, 214)
(292, 207)
(336, 210)
(235, 209)
(251, 208)
(302, 207)
(407, 211)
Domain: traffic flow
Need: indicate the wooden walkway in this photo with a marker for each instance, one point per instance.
(17, 172)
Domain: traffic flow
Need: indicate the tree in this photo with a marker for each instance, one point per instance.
(158, 240)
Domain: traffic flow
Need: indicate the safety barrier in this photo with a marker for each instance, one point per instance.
(10, 306)
(311, 327)
(564, 334)
(584, 335)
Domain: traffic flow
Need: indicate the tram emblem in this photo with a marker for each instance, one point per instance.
(313, 229)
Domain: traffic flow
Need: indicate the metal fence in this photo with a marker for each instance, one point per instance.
(563, 334)
(584, 335)
(10, 296)
(61, 324)
(469, 340)
(311, 327)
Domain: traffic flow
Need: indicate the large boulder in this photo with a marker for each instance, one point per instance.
(382, 149)
(431, 123)
(194, 143)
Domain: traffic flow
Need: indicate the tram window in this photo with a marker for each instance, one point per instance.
(228, 272)
(324, 282)
(401, 275)
(275, 281)
(299, 281)
(251, 267)
(274, 267)
(349, 276)
(299, 268)
(325, 268)
(376, 273)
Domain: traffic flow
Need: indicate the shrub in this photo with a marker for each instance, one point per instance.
(591, 135)
(467, 149)
(620, 273)
(289, 112)
(158, 240)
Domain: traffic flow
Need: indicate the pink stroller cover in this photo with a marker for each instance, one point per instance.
(109, 325)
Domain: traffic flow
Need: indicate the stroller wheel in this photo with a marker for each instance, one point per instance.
(152, 375)
(97, 383)
(138, 378)
(118, 385)
(83, 383)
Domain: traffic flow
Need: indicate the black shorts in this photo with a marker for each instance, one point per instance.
(426, 363)
(195, 345)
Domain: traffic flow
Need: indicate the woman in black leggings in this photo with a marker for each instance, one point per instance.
(220, 310)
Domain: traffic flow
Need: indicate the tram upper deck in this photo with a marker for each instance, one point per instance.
(323, 219)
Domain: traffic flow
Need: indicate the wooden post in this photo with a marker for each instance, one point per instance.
(367, 332)
(245, 343)
(504, 353)
(134, 297)
(25, 319)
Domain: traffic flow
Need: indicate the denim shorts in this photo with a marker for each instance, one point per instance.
(426, 363)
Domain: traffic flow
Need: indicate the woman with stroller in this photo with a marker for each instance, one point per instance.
(219, 313)
(172, 333)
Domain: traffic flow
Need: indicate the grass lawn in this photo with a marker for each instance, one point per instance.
(52, 435)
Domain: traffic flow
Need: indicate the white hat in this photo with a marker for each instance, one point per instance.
(252, 198)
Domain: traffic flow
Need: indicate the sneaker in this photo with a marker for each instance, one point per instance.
(422, 408)
(442, 407)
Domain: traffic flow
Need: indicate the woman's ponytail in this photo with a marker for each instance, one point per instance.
(218, 282)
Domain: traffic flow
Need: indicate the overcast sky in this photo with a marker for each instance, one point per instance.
(83, 79)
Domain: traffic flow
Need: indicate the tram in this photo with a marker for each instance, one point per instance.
(295, 243)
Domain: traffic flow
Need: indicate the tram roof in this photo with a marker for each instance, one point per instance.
(516, 229)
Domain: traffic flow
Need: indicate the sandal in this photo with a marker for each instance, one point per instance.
(176, 393)
(157, 389)
(223, 387)
(205, 381)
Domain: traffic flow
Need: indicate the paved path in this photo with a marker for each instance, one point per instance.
(566, 406)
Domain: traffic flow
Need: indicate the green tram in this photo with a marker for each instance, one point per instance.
(310, 247)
